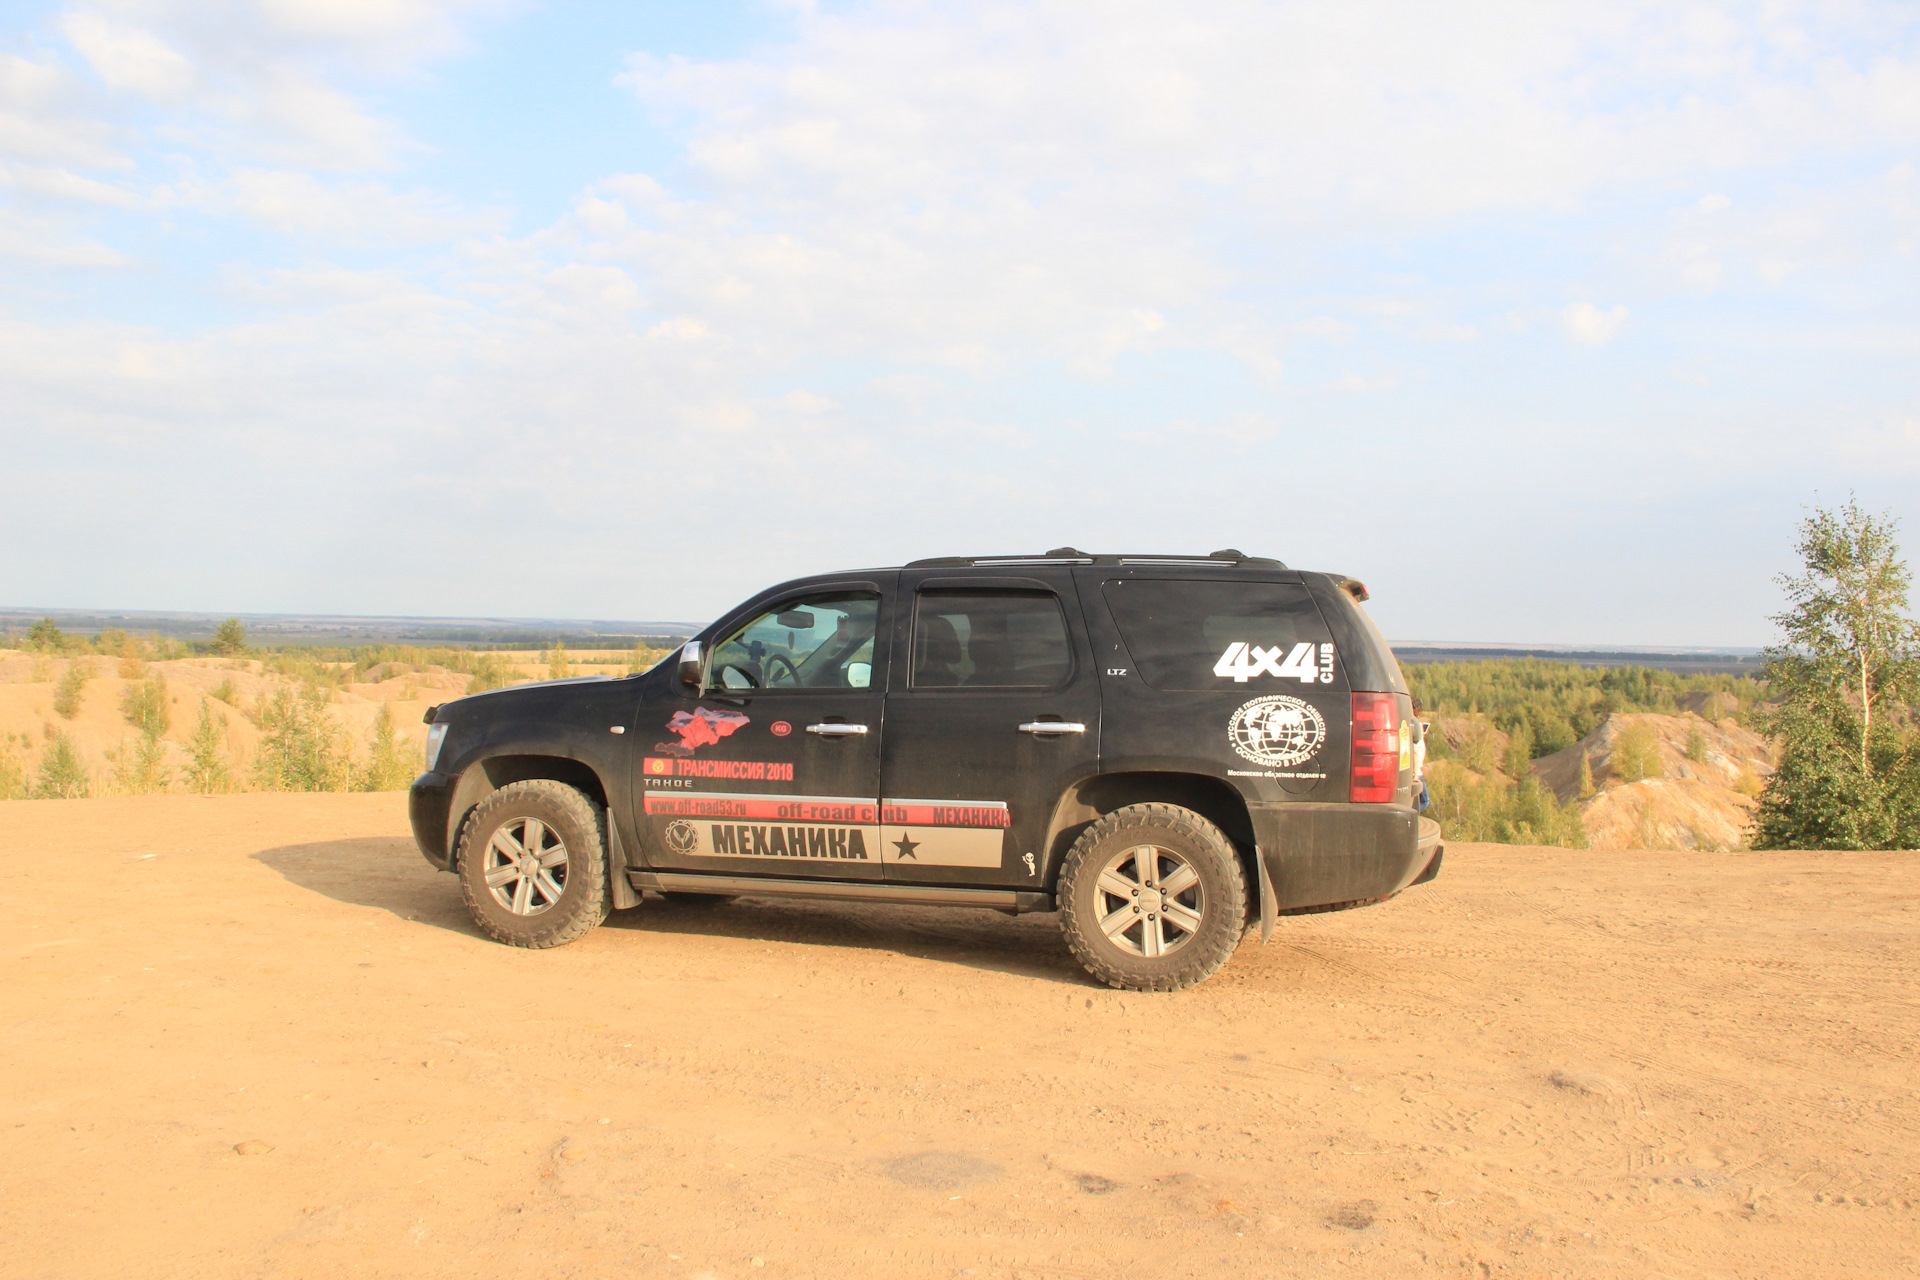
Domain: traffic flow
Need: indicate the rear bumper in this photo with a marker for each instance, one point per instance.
(428, 803)
(1322, 855)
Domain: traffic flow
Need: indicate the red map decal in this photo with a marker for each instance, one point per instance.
(701, 727)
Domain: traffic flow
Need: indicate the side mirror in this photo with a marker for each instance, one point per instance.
(795, 620)
(692, 664)
(859, 675)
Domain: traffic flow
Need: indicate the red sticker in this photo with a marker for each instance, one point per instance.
(780, 728)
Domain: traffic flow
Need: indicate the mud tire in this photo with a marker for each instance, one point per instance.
(584, 901)
(1192, 839)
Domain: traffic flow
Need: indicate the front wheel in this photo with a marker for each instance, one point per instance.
(1152, 898)
(533, 864)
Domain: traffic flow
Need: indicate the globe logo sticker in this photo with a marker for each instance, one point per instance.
(681, 837)
(1277, 731)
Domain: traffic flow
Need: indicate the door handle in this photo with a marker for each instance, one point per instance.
(1047, 728)
(836, 729)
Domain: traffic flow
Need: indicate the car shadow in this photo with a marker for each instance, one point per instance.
(389, 875)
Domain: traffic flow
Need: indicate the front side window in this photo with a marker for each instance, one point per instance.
(816, 642)
(1010, 640)
(1258, 636)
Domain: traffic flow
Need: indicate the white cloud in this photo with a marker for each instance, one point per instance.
(131, 59)
(301, 204)
(1588, 324)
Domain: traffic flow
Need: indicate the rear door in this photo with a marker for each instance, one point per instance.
(1230, 674)
(775, 768)
(993, 709)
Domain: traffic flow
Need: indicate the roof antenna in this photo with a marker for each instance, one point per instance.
(1067, 553)
(1228, 554)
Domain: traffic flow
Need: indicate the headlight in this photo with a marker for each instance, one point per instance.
(436, 735)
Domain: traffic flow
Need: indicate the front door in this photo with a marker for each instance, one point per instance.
(775, 768)
(993, 709)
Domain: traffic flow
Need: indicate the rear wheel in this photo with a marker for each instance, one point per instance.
(1152, 898)
(533, 864)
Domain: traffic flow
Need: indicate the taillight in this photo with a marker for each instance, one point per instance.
(1376, 748)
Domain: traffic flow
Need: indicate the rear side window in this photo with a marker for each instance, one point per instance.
(998, 640)
(1224, 635)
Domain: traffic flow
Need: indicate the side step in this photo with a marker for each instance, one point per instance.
(1012, 901)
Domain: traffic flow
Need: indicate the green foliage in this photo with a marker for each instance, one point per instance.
(300, 747)
(1519, 752)
(207, 771)
(141, 769)
(66, 696)
(63, 775)
(13, 770)
(1845, 683)
(392, 762)
(1696, 744)
(46, 636)
(230, 638)
(1586, 777)
(1478, 750)
(145, 706)
(1499, 812)
(1636, 755)
(490, 672)
(226, 692)
(557, 664)
(1560, 702)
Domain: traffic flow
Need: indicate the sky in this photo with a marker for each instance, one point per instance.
(1549, 322)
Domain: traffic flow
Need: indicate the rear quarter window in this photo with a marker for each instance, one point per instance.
(1224, 636)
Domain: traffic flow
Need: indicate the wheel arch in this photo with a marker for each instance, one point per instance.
(1091, 799)
(481, 778)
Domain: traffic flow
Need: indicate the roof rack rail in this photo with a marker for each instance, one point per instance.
(1072, 555)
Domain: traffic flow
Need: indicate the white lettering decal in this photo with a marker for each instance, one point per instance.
(1244, 661)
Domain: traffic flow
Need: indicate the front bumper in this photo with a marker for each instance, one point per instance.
(1324, 855)
(429, 803)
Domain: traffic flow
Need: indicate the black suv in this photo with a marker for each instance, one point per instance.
(1157, 747)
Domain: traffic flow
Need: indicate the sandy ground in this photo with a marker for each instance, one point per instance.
(1544, 1064)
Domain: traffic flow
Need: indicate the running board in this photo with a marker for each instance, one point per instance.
(1012, 901)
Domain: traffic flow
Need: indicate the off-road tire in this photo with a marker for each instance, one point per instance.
(1188, 837)
(584, 901)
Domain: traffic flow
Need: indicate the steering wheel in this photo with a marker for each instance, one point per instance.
(746, 673)
(783, 660)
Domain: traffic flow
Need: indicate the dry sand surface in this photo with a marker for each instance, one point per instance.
(255, 1036)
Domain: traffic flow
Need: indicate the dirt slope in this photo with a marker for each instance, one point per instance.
(1544, 1063)
(99, 728)
(1692, 804)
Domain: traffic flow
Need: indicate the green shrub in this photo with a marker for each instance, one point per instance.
(1636, 755)
(145, 706)
(63, 775)
(392, 762)
(226, 693)
(1696, 744)
(141, 768)
(13, 770)
(207, 771)
(1498, 812)
(557, 664)
(230, 638)
(490, 672)
(1586, 777)
(300, 748)
(1477, 750)
(66, 695)
(46, 636)
(1519, 752)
